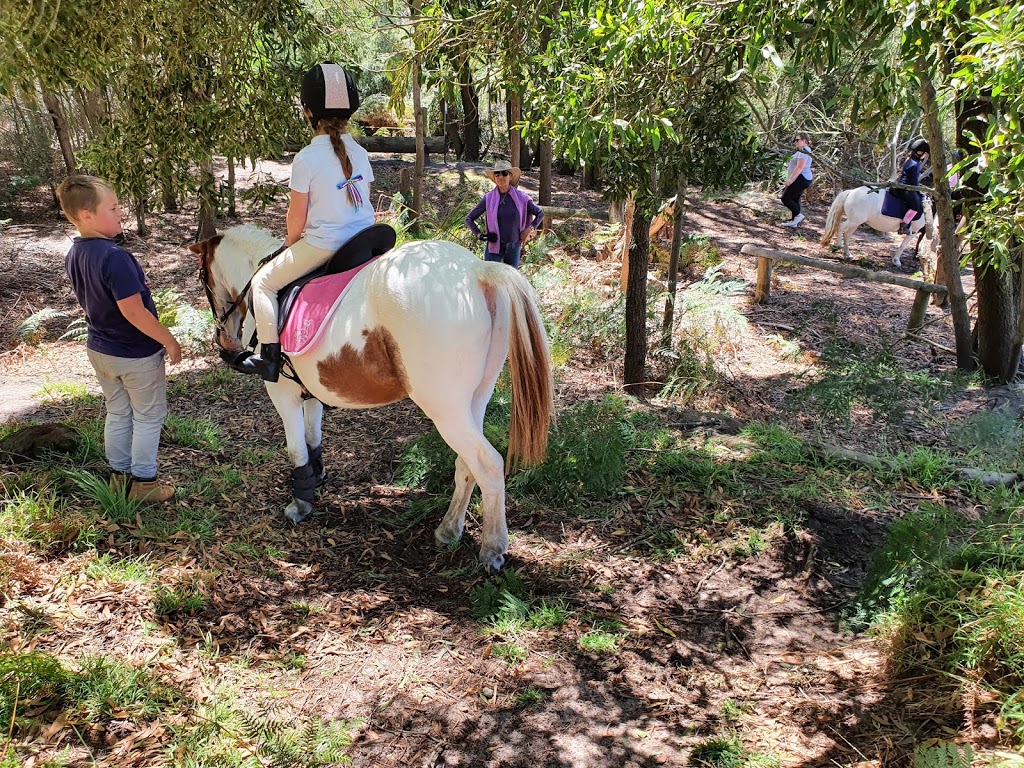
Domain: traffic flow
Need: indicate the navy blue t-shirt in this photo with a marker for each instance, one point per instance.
(103, 273)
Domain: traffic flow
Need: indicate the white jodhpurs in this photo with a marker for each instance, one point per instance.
(298, 260)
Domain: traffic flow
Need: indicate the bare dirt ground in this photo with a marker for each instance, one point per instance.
(386, 637)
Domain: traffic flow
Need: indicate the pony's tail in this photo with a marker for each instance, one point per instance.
(530, 366)
(835, 217)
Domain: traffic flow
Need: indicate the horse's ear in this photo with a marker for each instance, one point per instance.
(206, 248)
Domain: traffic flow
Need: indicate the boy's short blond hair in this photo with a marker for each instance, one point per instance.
(80, 193)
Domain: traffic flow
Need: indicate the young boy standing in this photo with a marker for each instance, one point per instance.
(126, 343)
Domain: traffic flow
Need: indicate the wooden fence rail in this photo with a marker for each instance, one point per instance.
(766, 257)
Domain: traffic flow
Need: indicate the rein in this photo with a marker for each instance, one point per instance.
(204, 278)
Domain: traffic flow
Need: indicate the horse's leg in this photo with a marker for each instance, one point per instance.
(287, 399)
(896, 262)
(486, 467)
(844, 232)
(454, 520)
(313, 414)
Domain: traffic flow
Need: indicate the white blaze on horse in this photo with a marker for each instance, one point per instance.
(428, 321)
(863, 205)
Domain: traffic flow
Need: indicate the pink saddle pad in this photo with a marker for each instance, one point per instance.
(316, 303)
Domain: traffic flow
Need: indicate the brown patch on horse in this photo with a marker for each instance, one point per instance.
(491, 296)
(373, 375)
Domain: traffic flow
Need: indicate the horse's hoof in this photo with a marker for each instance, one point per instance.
(491, 561)
(445, 537)
(298, 511)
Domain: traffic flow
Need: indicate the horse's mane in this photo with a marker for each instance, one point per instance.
(249, 242)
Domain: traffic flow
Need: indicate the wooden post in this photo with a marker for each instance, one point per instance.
(918, 311)
(764, 280)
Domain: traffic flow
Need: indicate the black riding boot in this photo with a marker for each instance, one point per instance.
(267, 363)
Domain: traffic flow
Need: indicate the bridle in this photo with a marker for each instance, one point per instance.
(204, 278)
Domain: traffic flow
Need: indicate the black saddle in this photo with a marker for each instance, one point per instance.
(357, 250)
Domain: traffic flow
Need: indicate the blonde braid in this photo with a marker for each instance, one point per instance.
(336, 127)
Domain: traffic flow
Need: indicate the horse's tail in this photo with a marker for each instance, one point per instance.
(530, 366)
(835, 217)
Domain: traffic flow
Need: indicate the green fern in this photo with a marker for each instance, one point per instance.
(32, 329)
(944, 754)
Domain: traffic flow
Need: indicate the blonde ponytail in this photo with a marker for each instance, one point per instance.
(336, 127)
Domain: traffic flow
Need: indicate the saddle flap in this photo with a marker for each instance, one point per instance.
(893, 206)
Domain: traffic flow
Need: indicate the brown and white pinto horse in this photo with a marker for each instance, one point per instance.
(428, 321)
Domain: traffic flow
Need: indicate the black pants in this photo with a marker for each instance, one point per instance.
(791, 194)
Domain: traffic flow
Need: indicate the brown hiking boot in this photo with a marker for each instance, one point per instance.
(149, 491)
(118, 482)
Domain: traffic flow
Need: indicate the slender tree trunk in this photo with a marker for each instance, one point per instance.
(635, 368)
(141, 208)
(470, 115)
(591, 175)
(60, 127)
(997, 294)
(679, 214)
(545, 172)
(207, 201)
(91, 108)
(421, 146)
(231, 187)
(514, 136)
(452, 136)
(946, 222)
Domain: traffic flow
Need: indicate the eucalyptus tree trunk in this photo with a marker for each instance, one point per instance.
(515, 114)
(207, 226)
(232, 211)
(635, 368)
(678, 217)
(947, 223)
(470, 115)
(141, 208)
(60, 127)
(545, 172)
(419, 117)
(998, 293)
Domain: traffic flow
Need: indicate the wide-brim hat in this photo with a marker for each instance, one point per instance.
(504, 165)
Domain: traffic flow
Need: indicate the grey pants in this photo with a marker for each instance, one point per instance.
(136, 393)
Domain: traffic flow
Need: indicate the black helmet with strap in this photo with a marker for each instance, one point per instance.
(329, 91)
(919, 147)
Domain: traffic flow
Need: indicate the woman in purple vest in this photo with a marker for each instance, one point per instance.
(511, 216)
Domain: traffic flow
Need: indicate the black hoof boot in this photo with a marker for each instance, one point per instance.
(267, 364)
(316, 462)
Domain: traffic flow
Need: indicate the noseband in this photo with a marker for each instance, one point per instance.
(204, 278)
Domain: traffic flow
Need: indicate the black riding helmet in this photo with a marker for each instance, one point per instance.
(329, 91)
(919, 147)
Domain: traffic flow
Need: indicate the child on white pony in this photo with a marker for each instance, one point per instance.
(911, 175)
(330, 190)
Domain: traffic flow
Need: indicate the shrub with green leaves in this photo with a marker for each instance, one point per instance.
(948, 594)
(31, 681)
(586, 455)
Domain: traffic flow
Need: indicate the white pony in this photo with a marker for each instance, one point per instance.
(863, 205)
(429, 321)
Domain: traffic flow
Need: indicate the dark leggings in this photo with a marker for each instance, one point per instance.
(791, 194)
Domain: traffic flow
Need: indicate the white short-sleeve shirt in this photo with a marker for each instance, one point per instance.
(332, 218)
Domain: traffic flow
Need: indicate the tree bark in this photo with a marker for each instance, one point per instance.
(232, 211)
(679, 214)
(635, 368)
(514, 135)
(60, 127)
(997, 294)
(207, 226)
(421, 131)
(141, 207)
(948, 252)
(470, 115)
(545, 172)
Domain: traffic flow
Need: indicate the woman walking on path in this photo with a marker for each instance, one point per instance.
(798, 178)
